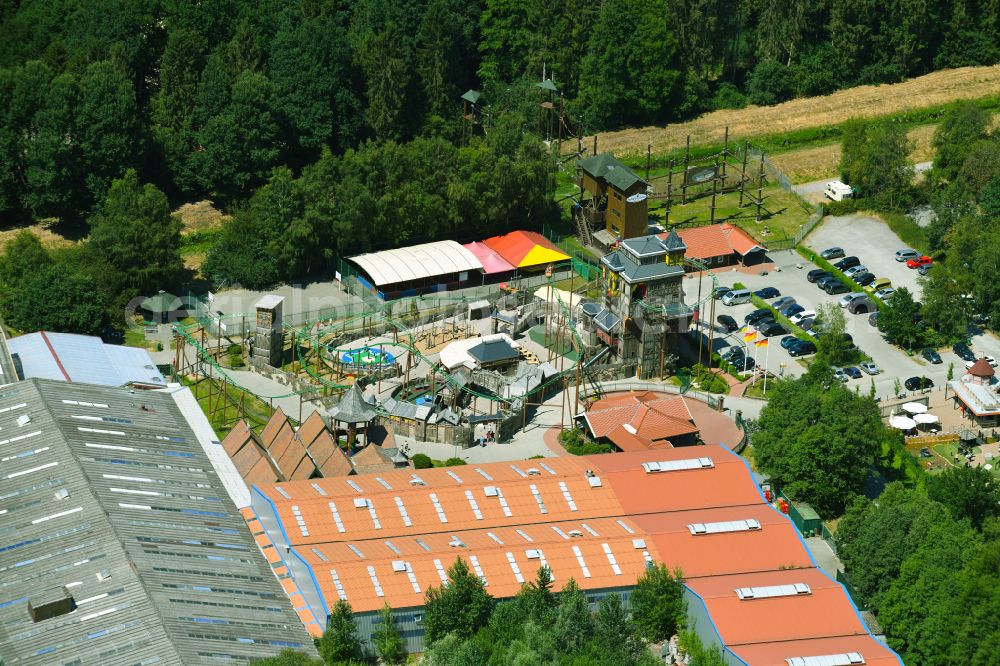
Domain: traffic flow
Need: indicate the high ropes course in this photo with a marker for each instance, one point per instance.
(315, 347)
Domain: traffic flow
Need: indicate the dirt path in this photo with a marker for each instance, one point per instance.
(930, 90)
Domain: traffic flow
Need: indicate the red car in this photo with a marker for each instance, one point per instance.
(922, 261)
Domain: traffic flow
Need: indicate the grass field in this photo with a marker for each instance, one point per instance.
(789, 213)
(922, 92)
(257, 412)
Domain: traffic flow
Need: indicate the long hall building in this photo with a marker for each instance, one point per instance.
(752, 587)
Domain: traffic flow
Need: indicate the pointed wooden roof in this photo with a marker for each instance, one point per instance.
(982, 368)
(353, 408)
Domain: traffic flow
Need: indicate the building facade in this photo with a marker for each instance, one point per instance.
(643, 302)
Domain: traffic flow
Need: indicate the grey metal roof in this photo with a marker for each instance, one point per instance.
(109, 494)
(406, 410)
(606, 167)
(674, 241)
(607, 321)
(353, 408)
(83, 358)
(621, 262)
(492, 351)
(643, 246)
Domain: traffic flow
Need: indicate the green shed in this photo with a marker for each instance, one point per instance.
(804, 517)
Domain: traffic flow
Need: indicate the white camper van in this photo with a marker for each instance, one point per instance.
(838, 191)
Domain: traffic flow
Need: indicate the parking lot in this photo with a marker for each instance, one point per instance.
(789, 277)
(871, 241)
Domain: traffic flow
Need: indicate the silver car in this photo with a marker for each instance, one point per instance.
(856, 270)
(870, 368)
(847, 299)
(885, 294)
(906, 254)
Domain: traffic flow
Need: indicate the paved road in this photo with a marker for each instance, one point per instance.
(813, 191)
(872, 241)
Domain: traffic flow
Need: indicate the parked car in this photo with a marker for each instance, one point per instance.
(771, 329)
(855, 270)
(728, 323)
(788, 341)
(861, 306)
(917, 262)
(873, 319)
(847, 262)
(806, 324)
(925, 269)
(906, 254)
(870, 368)
(880, 283)
(783, 302)
(822, 283)
(963, 352)
(989, 359)
(846, 299)
(930, 355)
(719, 292)
(834, 287)
(767, 293)
(805, 314)
(852, 372)
(802, 348)
(832, 253)
(918, 383)
(885, 294)
(839, 373)
(817, 274)
(864, 279)
(791, 310)
(758, 315)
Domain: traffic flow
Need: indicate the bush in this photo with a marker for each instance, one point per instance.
(708, 381)
(235, 353)
(770, 82)
(453, 462)
(422, 461)
(728, 96)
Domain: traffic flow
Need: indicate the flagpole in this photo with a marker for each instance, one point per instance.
(754, 380)
(767, 355)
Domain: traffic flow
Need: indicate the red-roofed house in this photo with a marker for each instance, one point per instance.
(720, 245)
(640, 421)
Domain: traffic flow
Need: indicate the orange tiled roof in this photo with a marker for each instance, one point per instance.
(715, 240)
(249, 457)
(825, 611)
(599, 519)
(636, 420)
(874, 652)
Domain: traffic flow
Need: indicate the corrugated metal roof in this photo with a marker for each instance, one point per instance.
(111, 495)
(417, 262)
(83, 358)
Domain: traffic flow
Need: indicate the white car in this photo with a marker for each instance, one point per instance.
(885, 293)
(847, 299)
(989, 359)
(856, 270)
(802, 316)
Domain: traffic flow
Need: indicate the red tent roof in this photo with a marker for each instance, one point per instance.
(491, 261)
(525, 248)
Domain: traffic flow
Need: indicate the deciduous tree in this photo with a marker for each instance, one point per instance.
(461, 607)
(340, 642)
(388, 641)
(657, 602)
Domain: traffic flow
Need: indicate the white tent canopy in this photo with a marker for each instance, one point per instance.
(926, 418)
(913, 407)
(417, 262)
(902, 423)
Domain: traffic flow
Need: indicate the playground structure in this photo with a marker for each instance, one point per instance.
(396, 357)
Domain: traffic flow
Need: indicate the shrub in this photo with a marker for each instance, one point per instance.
(422, 461)
(728, 96)
(452, 462)
(770, 82)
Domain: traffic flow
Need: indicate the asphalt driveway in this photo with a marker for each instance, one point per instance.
(871, 241)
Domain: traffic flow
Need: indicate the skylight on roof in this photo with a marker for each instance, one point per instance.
(375, 583)
(336, 518)
(352, 484)
(391, 546)
(300, 521)
(318, 489)
(844, 659)
(625, 526)
(441, 573)
(724, 526)
(611, 559)
(590, 529)
(519, 471)
(338, 585)
(281, 491)
(677, 465)
(772, 591)
(538, 498)
(402, 511)
(515, 568)
(453, 475)
(547, 468)
(483, 474)
(356, 550)
(494, 537)
(560, 532)
(437, 507)
(478, 569)
(581, 561)
(567, 496)
(371, 510)
(524, 535)
(474, 505)
(385, 484)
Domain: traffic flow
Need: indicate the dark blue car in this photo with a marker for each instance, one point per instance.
(767, 292)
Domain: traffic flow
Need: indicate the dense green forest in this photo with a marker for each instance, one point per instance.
(206, 98)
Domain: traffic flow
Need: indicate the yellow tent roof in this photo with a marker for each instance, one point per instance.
(541, 255)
